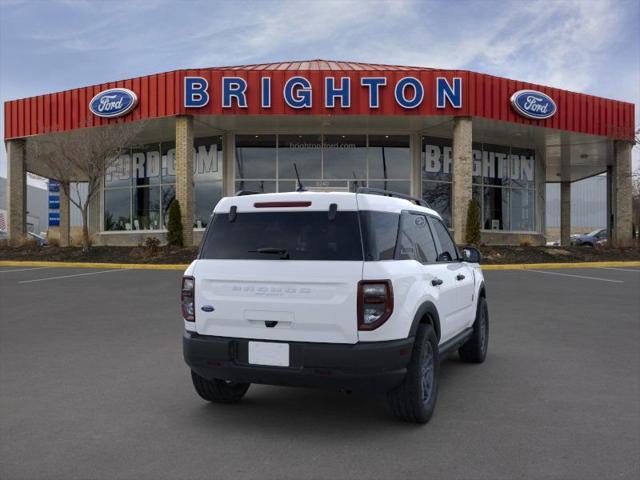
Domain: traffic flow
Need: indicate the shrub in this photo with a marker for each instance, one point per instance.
(174, 227)
(152, 246)
(473, 223)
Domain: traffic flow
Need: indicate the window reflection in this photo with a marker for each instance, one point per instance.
(256, 156)
(303, 150)
(117, 214)
(344, 156)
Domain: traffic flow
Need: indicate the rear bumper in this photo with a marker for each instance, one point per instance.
(374, 366)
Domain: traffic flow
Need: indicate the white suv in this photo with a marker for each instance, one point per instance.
(352, 291)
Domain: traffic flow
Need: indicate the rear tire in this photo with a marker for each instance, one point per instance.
(219, 391)
(474, 350)
(415, 398)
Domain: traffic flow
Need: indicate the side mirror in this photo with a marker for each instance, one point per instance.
(444, 257)
(471, 254)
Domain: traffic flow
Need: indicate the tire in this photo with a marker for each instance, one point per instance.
(474, 350)
(219, 391)
(415, 398)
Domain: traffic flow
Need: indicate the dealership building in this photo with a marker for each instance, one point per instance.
(447, 136)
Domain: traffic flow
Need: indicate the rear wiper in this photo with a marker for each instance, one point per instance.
(283, 252)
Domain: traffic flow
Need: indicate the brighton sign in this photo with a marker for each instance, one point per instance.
(113, 103)
(533, 104)
(298, 93)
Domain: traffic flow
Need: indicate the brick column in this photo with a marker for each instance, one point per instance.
(462, 175)
(416, 164)
(621, 185)
(65, 215)
(565, 213)
(16, 191)
(228, 164)
(184, 174)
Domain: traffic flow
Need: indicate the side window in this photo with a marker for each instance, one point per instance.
(447, 248)
(415, 241)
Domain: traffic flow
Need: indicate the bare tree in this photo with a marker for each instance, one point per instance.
(82, 156)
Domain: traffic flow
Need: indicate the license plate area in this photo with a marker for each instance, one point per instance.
(269, 353)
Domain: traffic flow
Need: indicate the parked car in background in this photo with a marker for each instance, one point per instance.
(591, 239)
(39, 239)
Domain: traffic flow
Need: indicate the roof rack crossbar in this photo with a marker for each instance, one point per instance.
(389, 193)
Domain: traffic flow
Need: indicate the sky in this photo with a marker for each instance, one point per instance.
(590, 46)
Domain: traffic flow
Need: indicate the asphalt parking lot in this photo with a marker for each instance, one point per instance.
(93, 386)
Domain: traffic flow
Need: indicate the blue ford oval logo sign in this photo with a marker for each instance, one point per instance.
(114, 102)
(533, 104)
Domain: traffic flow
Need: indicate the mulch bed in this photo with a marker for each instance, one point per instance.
(500, 255)
(163, 255)
(170, 255)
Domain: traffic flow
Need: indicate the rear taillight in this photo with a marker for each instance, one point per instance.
(375, 303)
(187, 299)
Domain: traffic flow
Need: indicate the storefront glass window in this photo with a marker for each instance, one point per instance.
(260, 186)
(503, 183)
(168, 162)
(207, 177)
(496, 208)
(340, 162)
(148, 174)
(117, 209)
(145, 165)
(146, 208)
(168, 195)
(389, 157)
(303, 150)
(522, 167)
(255, 157)
(521, 211)
(118, 174)
(438, 196)
(344, 157)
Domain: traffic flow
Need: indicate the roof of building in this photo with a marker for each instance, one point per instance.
(161, 95)
(320, 64)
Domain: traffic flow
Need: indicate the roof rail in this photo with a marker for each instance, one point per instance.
(389, 193)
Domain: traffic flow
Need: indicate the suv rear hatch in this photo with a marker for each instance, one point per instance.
(281, 267)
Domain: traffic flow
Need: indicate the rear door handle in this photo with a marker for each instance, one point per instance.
(436, 281)
(460, 277)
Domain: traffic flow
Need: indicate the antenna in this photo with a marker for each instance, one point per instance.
(300, 186)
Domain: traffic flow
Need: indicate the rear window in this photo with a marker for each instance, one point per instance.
(280, 235)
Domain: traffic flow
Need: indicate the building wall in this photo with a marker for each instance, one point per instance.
(37, 206)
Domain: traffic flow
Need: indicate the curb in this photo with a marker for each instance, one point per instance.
(551, 266)
(181, 266)
(130, 266)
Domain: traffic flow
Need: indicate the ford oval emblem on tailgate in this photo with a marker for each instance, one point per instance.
(207, 308)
